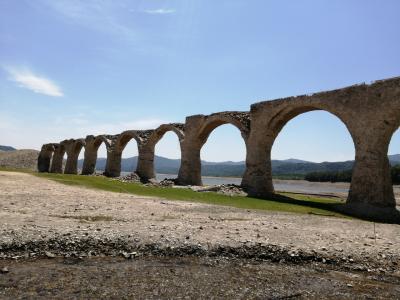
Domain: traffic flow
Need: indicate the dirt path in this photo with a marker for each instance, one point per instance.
(40, 215)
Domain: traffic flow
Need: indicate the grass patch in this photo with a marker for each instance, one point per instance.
(295, 203)
(285, 202)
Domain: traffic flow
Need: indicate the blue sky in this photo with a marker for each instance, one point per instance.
(71, 68)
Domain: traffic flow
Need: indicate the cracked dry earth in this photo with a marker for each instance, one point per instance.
(71, 242)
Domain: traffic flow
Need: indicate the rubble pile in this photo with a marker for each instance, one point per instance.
(226, 189)
(132, 177)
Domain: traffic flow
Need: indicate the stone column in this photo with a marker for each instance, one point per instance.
(73, 148)
(145, 166)
(89, 161)
(190, 169)
(71, 166)
(44, 158)
(371, 183)
(113, 163)
(257, 179)
(58, 157)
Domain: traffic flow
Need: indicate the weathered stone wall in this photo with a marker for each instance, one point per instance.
(197, 130)
(44, 157)
(72, 148)
(371, 113)
(57, 161)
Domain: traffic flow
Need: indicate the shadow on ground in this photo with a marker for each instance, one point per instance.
(358, 210)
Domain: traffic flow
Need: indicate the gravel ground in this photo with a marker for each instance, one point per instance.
(187, 278)
(40, 218)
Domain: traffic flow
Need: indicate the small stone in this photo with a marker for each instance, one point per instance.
(349, 285)
(49, 254)
(129, 255)
(275, 227)
(4, 270)
(187, 237)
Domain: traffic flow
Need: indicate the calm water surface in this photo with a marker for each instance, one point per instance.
(294, 186)
(297, 186)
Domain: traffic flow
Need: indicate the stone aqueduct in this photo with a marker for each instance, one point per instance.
(371, 114)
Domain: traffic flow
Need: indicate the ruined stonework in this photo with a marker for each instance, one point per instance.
(371, 113)
(197, 130)
(57, 161)
(44, 158)
(72, 148)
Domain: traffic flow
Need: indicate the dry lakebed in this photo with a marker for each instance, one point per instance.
(60, 241)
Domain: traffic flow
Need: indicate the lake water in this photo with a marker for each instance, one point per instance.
(295, 186)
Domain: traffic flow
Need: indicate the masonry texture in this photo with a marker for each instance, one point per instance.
(371, 114)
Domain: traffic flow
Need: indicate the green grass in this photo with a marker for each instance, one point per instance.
(285, 202)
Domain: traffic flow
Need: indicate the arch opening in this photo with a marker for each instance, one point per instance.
(64, 161)
(223, 154)
(312, 153)
(81, 157)
(101, 159)
(129, 147)
(394, 160)
(167, 156)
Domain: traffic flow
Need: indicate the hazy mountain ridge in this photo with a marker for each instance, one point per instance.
(28, 159)
(229, 168)
(7, 148)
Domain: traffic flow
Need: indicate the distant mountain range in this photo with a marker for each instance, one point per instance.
(7, 148)
(10, 157)
(230, 168)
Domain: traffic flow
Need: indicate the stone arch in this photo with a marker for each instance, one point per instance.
(125, 137)
(146, 169)
(72, 147)
(241, 120)
(92, 145)
(197, 130)
(159, 132)
(370, 113)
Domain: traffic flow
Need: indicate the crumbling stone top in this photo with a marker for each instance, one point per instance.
(144, 135)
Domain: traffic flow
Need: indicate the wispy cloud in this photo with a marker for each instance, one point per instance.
(38, 84)
(160, 11)
(103, 16)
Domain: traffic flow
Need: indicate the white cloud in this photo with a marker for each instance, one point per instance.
(160, 11)
(26, 79)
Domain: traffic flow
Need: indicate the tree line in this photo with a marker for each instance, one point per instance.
(345, 176)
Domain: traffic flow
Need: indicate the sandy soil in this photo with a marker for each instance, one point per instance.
(36, 212)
